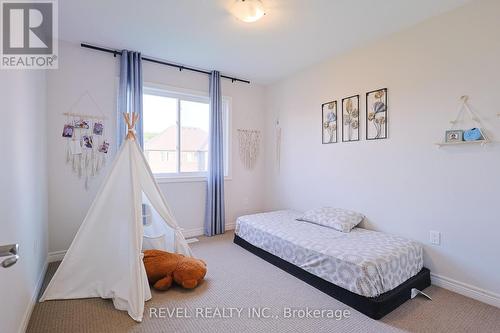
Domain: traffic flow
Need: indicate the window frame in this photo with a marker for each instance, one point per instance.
(192, 96)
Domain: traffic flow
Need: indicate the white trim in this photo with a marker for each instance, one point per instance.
(467, 290)
(187, 179)
(33, 301)
(160, 179)
(188, 233)
(161, 88)
(194, 232)
(56, 256)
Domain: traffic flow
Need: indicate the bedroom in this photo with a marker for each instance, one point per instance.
(384, 109)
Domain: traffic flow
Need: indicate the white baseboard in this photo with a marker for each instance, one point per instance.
(188, 233)
(465, 289)
(194, 232)
(56, 256)
(31, 305)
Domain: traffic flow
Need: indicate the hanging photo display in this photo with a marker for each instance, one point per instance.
(87, 148)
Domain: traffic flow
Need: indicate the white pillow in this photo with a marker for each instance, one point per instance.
(336, 218)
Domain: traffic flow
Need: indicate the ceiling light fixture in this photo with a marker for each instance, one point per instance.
(248, 10)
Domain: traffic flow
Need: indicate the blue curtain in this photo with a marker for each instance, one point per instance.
(214, 216)
(130, 94)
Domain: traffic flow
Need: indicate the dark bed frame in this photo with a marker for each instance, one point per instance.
(375, 307)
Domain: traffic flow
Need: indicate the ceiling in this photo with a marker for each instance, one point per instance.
(293, 34)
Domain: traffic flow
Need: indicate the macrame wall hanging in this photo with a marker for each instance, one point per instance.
(86, 143)
(249, 141)
(278, 144)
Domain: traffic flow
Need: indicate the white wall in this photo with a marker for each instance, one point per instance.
(81, 70)
(404, 184)
(23, 199)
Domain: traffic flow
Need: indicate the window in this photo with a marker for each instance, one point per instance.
(176, 132)
(164, 156)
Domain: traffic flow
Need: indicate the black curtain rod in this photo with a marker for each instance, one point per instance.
(161, 62)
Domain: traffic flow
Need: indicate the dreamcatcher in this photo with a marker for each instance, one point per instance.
(86, 146)
(249, 141)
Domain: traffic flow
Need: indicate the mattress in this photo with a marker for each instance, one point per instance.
(365, 262)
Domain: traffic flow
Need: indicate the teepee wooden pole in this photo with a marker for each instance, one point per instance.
(131, 124)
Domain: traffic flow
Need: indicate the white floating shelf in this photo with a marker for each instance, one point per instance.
(481, 142)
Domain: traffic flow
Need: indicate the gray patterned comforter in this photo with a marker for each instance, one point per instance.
(368, 263)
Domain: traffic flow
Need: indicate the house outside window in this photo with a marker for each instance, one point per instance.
(176, 126)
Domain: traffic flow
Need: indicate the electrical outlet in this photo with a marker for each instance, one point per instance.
(434, 237)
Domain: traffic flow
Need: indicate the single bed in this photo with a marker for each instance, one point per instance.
(371, 271)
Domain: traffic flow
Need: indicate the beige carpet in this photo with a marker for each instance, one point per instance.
(239, 279)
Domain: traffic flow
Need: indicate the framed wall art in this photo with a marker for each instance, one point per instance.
(329, 122)
(376, 114)
(454, 136)
(350, 118)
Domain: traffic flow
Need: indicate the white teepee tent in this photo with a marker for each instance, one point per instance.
(105, 258)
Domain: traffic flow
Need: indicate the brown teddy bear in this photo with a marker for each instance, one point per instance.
(162, 268)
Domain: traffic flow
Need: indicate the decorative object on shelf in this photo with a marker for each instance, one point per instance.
(454, 136)
(473, 134)
(350, 118)
(329, 122)
(249, 141)
(376, 114)
(86, 146)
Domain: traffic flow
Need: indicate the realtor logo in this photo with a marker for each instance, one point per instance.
(29, 34)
